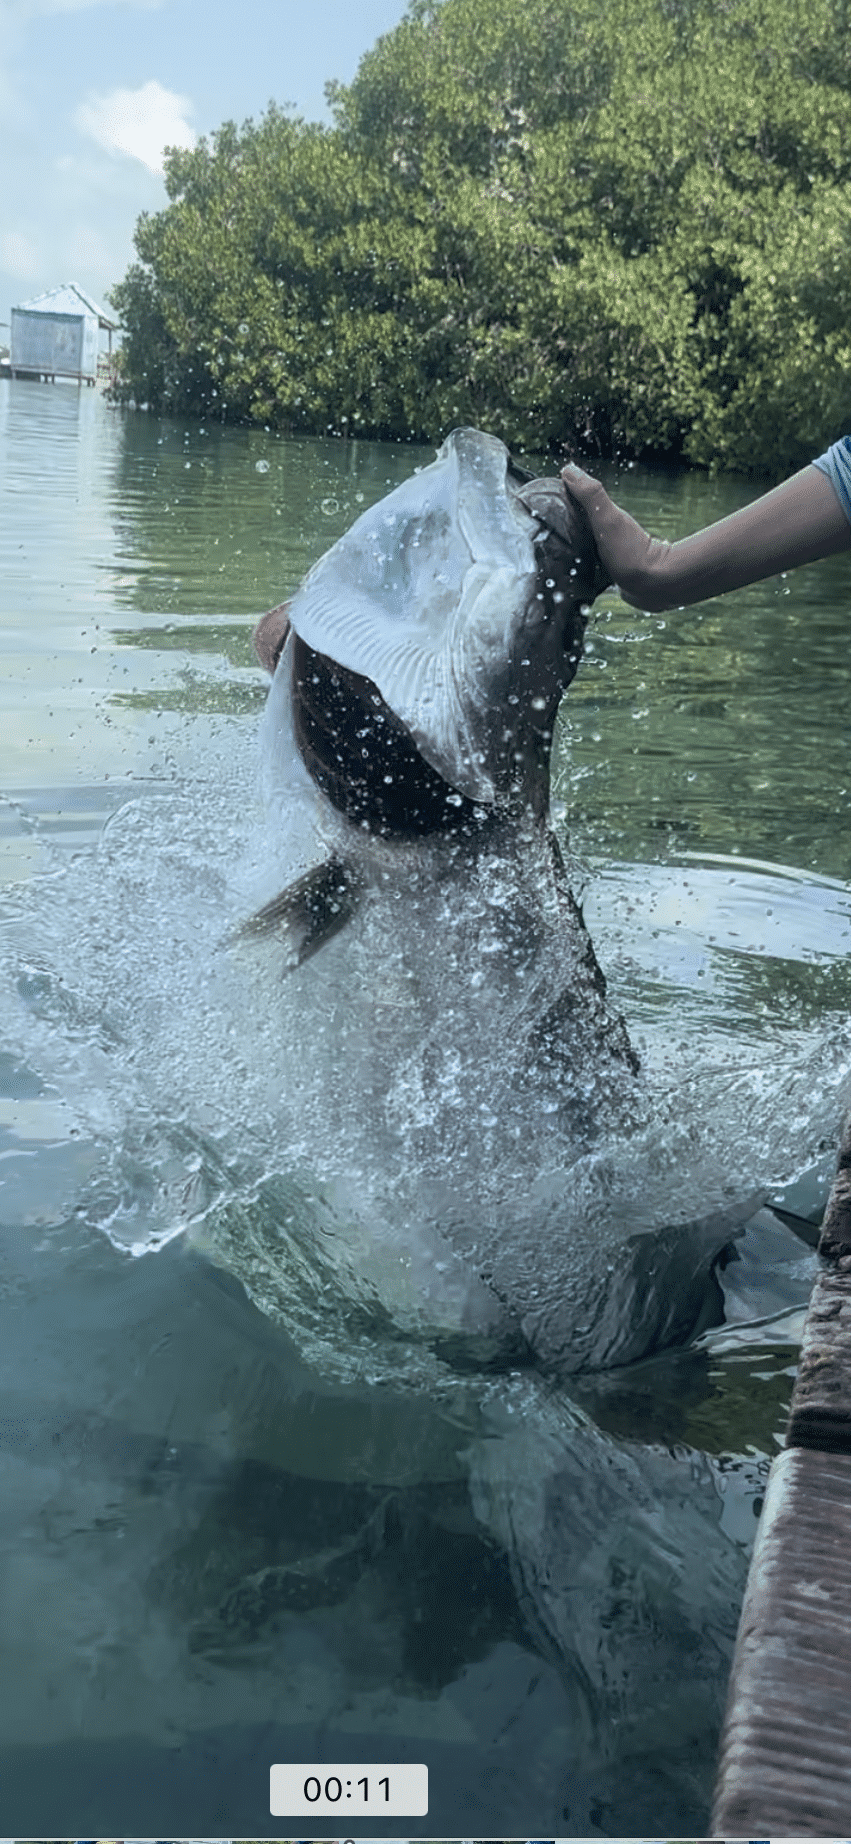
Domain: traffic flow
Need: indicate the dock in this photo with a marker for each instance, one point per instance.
(785, 1756)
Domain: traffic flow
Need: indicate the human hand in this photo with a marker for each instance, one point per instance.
(628, 555)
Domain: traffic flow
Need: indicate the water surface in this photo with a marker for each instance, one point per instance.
(233, 1535)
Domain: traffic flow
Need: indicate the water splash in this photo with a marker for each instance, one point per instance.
(358, 1142)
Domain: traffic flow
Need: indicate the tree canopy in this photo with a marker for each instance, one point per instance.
(619, 225)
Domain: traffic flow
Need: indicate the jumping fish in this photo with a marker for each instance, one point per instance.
(407, 739)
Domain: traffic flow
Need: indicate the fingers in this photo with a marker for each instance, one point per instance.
(591, 493)
(599, 509)
(573, 472)
(269, 636)
(578, 481)
(627, 555)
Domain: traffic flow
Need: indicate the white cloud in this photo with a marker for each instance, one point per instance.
(138, 122)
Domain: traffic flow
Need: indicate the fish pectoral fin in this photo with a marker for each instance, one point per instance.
(308, 912)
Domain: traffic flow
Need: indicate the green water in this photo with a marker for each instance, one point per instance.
(215, 1554)
(135, 554)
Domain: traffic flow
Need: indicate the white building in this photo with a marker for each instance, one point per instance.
(58, 335)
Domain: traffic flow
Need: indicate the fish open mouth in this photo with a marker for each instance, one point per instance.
(364, 758)
(423, 626)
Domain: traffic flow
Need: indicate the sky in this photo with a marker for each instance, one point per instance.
(92, 90)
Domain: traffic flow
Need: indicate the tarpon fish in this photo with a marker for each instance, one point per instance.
(419, 671)
(407, 746)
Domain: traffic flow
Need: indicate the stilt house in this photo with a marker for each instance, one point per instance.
(57, 335)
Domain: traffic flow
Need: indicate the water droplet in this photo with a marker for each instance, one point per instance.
(329, 507)
(261, 467)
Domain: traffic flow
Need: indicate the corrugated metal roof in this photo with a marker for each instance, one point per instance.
(68, 298)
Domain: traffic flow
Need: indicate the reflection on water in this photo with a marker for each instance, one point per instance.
(231, 1538)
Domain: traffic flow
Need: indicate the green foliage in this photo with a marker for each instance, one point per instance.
(622, 226)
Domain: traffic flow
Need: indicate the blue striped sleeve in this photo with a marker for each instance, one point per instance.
(836, 464)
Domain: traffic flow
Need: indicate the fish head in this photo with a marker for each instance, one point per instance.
(459, 602)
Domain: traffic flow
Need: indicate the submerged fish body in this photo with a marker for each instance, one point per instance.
(406, 749)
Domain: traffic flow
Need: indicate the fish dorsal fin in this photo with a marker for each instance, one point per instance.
(308, 912)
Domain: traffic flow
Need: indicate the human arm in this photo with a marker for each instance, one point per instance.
(797, 522)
